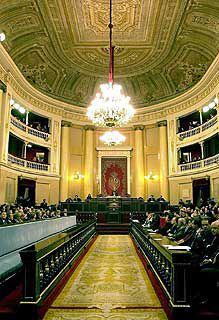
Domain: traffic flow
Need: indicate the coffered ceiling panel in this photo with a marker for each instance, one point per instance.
(162, 48)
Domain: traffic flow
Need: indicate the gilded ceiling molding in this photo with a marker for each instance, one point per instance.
(16, 83)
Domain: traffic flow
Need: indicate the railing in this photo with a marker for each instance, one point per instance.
(28, 164)
(34, 132)
(47, 261)
(212, 160)
(15, 160)
(37, 133)
(199, 164)
(18, 124)
(189, 133)
(171, 267)
(191, 166)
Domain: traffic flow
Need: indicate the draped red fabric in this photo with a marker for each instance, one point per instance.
(114, 176)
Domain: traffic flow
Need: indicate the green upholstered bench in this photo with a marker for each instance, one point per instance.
(14, 238)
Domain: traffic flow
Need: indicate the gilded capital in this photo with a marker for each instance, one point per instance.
(162, 123)
(3, 86)
(66, 123)
(92, 128)
(138, 127)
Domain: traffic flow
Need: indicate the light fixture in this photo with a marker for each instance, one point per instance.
(110, 108)
(17, 106)
(112, 138)
(2, 36)
(151, 177)
(77, 176)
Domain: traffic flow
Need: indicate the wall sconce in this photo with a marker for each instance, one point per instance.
(151, 177)
(77, 176)
(2, 36)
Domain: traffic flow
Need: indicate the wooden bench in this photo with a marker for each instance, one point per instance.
(14, 238)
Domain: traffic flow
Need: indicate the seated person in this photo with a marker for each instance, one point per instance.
(209, 272)
(89, 197)
(181, 202)
(99, 195)
(3, 218)
(76, 198)
(69, 200)
(44, 204)
(114, 193)
(152, 221)
(151, 198)
(161, 198)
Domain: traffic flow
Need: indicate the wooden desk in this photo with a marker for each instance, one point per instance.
(171, 267)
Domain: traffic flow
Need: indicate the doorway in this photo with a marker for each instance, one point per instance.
(26, 192)
(201, 191)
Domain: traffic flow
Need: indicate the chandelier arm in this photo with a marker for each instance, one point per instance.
(111, 62)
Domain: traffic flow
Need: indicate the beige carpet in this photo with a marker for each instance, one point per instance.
(109, 283)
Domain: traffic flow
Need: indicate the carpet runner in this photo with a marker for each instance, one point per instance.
(110, 283)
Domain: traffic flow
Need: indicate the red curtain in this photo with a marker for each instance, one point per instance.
(114, 176)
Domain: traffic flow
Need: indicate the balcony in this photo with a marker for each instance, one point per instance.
(34, 132)
(205, 126)
(23, 163)
(205, 163)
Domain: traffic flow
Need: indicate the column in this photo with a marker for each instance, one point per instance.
(202, 149)
(64, 167)
(4, 122)
(164, 183)
(89, 161)
(200, 116)
(27, 118)
(138, 172)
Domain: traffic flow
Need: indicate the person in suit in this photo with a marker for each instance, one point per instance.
(151, 198)
(44, 204)
(89, 197)
(161, 198)
(209, 270)
(114, 193)
(76, 198)
(3, 218)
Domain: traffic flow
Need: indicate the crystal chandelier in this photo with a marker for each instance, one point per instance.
(110, 108)
(112, 138)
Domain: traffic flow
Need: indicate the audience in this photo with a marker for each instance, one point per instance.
(16, 213)
(197, 228)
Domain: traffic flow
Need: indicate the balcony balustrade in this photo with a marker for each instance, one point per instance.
(189, 133)
(211, 161)
(28, 164)
(25, 128)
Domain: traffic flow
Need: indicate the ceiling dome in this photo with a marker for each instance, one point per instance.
(61, 46)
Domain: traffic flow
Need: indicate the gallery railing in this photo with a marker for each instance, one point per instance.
(171, 267)
(189, 133)
(211, 161)
(27, 164)
(34, 132)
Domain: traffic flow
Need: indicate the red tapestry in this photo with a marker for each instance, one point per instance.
(114, 176)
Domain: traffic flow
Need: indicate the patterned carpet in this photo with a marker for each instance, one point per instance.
(109, 283)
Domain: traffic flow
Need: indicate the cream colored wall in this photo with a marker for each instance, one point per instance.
(76, 161)
(181, 186)
(46, 187)
(152, 163)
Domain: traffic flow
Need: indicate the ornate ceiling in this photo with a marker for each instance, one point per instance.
(61, 46)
